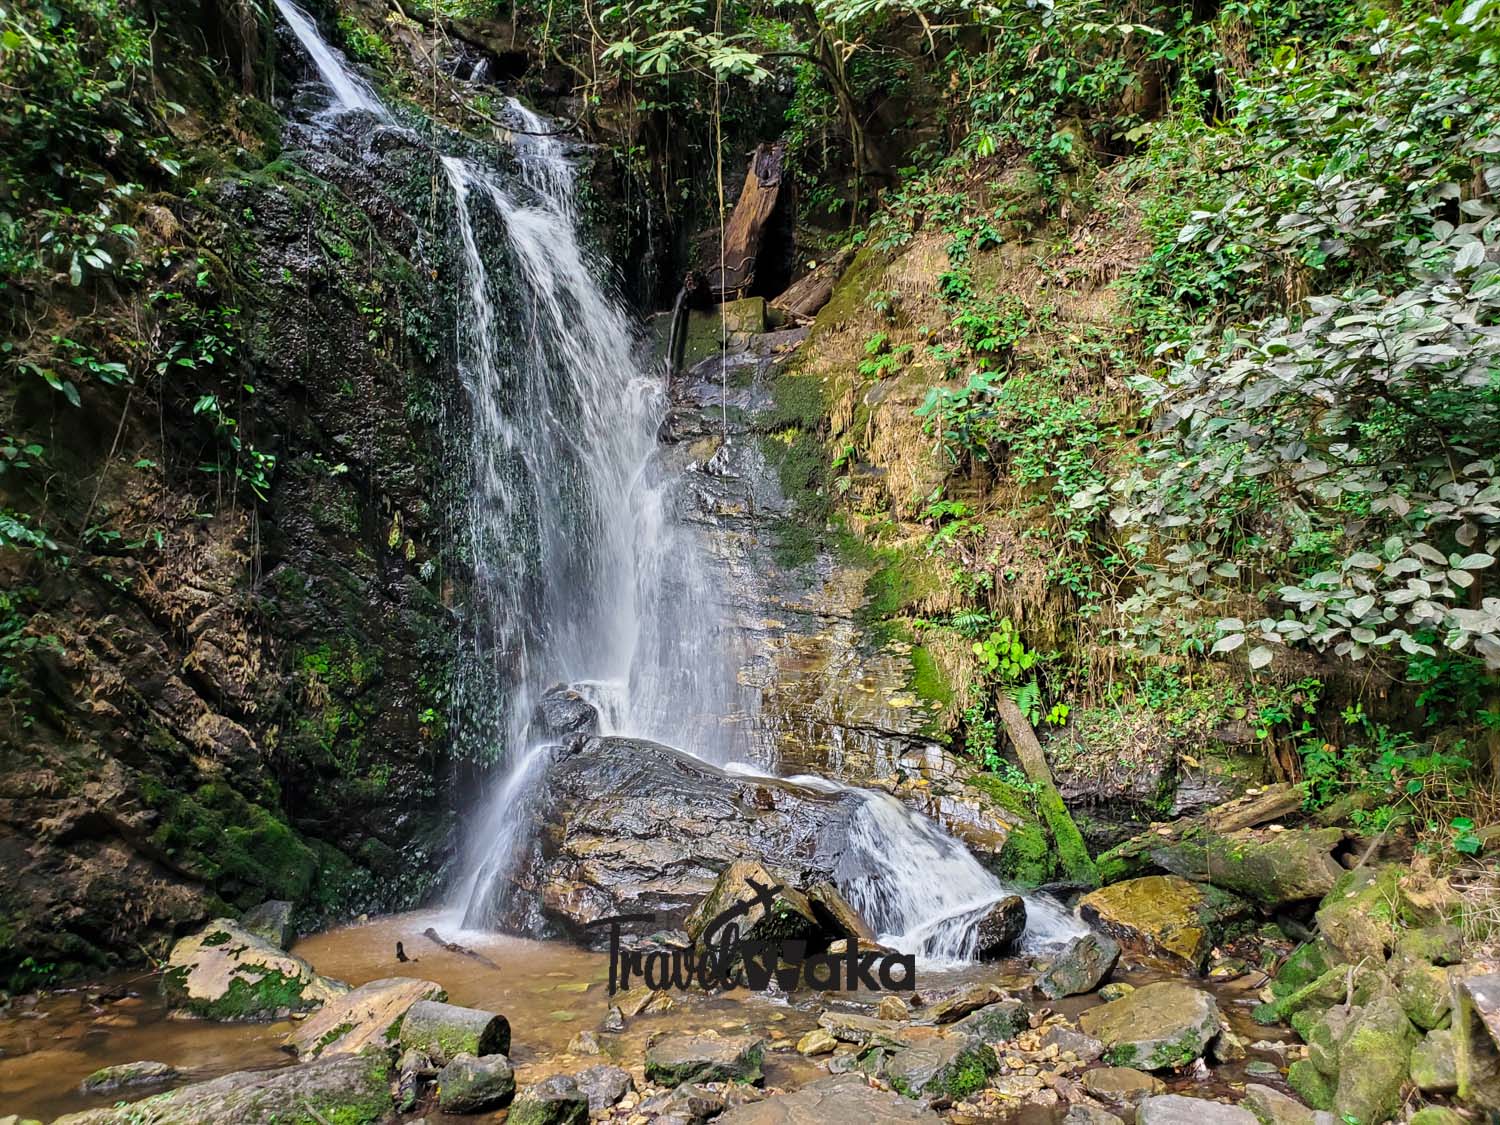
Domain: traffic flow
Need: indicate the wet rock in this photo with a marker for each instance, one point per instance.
(1274, 869)
(585, 1042)
(604, 1086)
(1310, 1084)
(837, 916)
(225, 972)
(1424, 989)
(1085, 1047)
(562, 711)
(1085, 1114)
(362, 1018)
(1174, 1109)
(613, 1021)
(1476, 1038)
(674, 1059)
(1080, 967)
(851, 1027)
(892, 1008)
(1434, 1063)
(469, 1084)
(999, 928)
(951, 1067)
(1227, 1047)
(1164, 915)
(445, 1031)
(552, 1101)
(994, 1023)
(341, 1087)
(689, 1104)
(1358, 917)
(1157, 1027)
(629, 826)
(948, 1006)
(1121, 1085)
(818, 1041)
(743, 883)
(127, 1074)
(272, 921)
(1114, 990)
(845, 1097)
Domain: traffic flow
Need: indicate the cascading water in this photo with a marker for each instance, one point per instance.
(582, 572)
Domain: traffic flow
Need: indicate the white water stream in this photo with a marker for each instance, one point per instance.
(582, 574)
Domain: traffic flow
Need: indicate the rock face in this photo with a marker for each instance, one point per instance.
(1476, 1033)
(844, 1097)
(1081, 967)
(362, 1018)
(469, 1085)
(1164, 915)
(445, 1031)
(999, 928)
(632, 826)
(674, 1059)
(344, 1088)
(1157, 1027)
(224, 972)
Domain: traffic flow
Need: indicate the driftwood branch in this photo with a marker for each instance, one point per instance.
(462, 950)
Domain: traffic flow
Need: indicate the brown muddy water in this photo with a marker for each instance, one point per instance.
(549, 991)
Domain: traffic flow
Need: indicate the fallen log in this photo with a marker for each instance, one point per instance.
(462, 950)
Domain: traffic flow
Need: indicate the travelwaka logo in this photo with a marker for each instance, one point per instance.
(724, 957)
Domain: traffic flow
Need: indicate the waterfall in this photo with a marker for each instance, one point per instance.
(582, 571)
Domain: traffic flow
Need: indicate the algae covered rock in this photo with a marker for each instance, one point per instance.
(1164, 915)
(1081, 967)
(469, 1084)
(674, 1059)
(952, 1066)
(1476, 1038)
(1373, 1062)
(1157, 1027)
(445, 1031)
(348, 1089)
(1369, 908)
(370, 1015)
(1434, 1063)
(552, 1101)
(225, 972)
(118, 1077)
(1274, 869)
(994, 1023)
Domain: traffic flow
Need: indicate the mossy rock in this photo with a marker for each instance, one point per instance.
(955, 1067)
(1305, 965)
(1374, 1063)
(1367, 910)
(1161, 1026)
(1165, 915)
(224, 972)
(1310, 1084)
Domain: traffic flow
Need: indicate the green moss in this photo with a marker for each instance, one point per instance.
(1310, 1084)
(332, 1036)
(1072, 853)
(970, 1072)
(1303, 967)
(927, 680)
(1027, 857)
(218, 937)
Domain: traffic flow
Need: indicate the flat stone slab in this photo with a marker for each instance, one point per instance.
(675, 1059)
(1156, 1027)
(1163, 915)
(1174, 1109)
(360, 1019)
(842, 1098)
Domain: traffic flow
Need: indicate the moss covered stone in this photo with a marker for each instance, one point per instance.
(1310, 1084)
(1161, 1026)
(227, 973)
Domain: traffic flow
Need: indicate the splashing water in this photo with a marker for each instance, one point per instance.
(582, 572)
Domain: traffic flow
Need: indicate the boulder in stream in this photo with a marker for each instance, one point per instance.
(1164, 915)
(562, 711)
(1159, 1026)
(999, 927)
(950, 1066)
(367, 1016)
(353, 1088)
(746, 883)
(603, 1085)
(224, 972)
(552, 1101)
(1174, 1109)
(121, 1075)
(673, 1059)
(1081, 967)
(843, 1097)
(445, 1031)
(630, 826)
(471, 1085)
